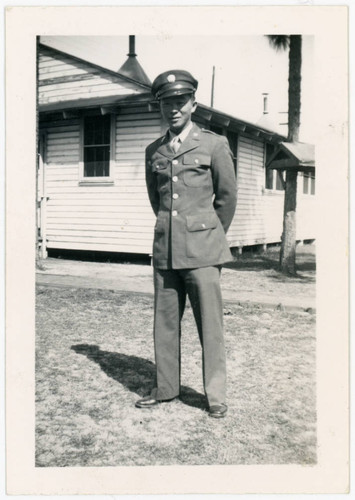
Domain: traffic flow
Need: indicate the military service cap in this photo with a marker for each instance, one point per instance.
(174, 82)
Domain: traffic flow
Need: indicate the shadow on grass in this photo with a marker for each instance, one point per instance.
(298, 278)
(134, 373)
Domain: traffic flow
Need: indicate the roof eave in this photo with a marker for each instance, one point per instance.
(241, 125)
(292, 164)
(90, 102)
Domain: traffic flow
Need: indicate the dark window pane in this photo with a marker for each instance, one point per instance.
(98, 126)
(233, 144)
(279, 181)
(89, 162)
(97, 130)
(305, 182)
(107, 129)
(88, 132)
(269, 177)
(97, 161)
(313, 185)
(269, 173)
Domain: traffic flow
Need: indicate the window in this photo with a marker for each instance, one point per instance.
(97, 146)
(274, 179)
(308, 183)
(269, 178)
(233, 144)
(280, 180)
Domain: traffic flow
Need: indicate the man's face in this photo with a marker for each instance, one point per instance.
(177, 111)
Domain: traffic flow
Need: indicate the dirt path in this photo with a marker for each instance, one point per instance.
(240, 283)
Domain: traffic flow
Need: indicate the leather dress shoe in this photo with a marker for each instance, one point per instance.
(149, 402)
(218, 411)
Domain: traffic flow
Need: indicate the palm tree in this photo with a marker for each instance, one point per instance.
(36, 165)
(288, 243)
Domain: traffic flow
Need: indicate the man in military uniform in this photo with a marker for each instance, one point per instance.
(191, 186)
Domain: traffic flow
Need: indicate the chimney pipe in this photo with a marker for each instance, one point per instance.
(265, 103)
(132, 46)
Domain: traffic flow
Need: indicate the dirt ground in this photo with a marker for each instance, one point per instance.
(95, 358)
(252, 278)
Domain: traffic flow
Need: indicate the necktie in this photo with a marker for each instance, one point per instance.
(175, 144)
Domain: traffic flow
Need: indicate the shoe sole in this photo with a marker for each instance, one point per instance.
(146, 406)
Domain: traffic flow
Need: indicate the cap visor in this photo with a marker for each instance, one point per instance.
(172, 93)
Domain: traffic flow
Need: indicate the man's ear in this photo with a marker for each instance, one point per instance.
(194, 106)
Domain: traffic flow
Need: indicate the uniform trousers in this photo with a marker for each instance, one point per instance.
(202, 286)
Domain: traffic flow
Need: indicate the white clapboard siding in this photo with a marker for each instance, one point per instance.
(64, 78)
(306, 216)
(131, 247)
(273, 207)
(248, 226)
(116, 217)
(57, 216)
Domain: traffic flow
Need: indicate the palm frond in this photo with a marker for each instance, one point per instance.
(279, 42)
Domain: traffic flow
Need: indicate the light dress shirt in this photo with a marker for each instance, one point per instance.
(177, 139)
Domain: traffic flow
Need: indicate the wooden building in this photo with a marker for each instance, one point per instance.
(94, 126)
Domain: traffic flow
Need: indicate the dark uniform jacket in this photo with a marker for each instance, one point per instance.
(193, 195)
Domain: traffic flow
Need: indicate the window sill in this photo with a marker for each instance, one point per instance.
(273, 191)
(96, 181)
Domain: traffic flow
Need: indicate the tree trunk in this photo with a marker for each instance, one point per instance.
(288, 244)
(37, 254)
(294, 87)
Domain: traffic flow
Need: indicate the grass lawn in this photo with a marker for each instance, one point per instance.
(95, 358)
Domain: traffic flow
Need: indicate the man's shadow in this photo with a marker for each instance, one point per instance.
(135, 373)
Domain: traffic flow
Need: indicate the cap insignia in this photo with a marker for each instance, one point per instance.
(171, 78)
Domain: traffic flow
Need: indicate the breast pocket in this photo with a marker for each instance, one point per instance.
(197, 170)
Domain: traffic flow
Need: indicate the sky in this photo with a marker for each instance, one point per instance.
(245, 68)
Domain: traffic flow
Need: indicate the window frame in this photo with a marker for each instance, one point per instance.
(276, 174)
(99, 180)
(311, 184)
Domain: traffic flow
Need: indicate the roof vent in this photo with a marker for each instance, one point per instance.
(131, 68)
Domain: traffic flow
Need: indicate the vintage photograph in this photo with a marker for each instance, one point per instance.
(175, 282)
(176, 250)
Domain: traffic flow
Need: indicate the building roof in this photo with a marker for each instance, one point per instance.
(237, 124)
(293, 155)
(134, 73)
(124, 75)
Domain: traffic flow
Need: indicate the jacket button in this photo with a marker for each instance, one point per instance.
(204, 226)
(175, 162)
(175, 179)
(175, 196)
(197, 160)
(174, 213)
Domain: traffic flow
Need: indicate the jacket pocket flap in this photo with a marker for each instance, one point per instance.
(159, 165)
(197, 159)
(201, 222)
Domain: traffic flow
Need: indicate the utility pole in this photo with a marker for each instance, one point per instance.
(212, 90)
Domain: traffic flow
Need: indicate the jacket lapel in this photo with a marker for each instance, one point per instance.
(191, 142)
(164, 147)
